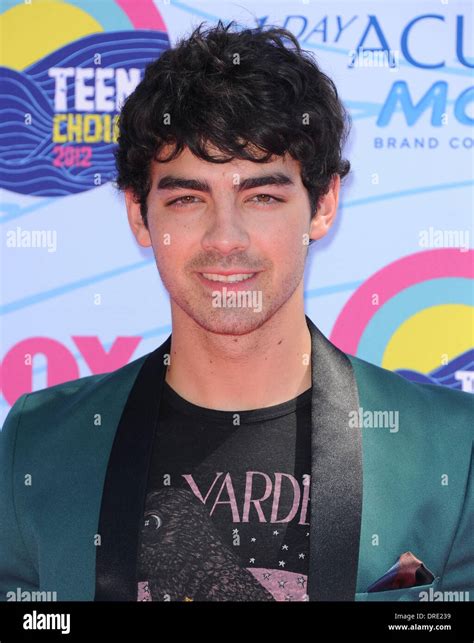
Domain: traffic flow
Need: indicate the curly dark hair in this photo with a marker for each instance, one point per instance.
(250, 93)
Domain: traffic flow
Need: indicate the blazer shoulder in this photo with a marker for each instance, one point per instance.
(444, 406)
(60, 400)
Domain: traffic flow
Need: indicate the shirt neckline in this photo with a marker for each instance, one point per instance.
(179, 403)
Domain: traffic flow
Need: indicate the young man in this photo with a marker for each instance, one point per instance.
(229, 463)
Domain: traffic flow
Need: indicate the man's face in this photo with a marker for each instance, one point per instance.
(231, 221)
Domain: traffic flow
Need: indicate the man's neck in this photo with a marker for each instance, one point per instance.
(241, 372)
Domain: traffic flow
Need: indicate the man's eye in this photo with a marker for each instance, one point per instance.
(265, 199)
(184, 200)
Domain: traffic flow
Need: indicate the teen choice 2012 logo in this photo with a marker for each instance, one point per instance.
(66, 69)
(415, 317)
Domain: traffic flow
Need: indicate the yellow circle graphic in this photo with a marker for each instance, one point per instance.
(430, 338)
(31, 31)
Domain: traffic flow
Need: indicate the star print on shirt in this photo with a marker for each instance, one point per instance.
(281, 563)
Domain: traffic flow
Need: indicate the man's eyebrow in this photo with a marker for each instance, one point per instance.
(170, 182)
(267, 179)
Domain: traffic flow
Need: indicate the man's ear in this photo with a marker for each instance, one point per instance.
(135, 220)
(326, 212)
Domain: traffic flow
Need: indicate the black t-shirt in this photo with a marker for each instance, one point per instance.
(227, 509)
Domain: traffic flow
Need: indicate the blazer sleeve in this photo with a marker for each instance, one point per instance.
(458, 574)
(17, 570)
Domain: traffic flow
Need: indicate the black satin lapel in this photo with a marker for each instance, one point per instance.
(123, 497)
(336, 474)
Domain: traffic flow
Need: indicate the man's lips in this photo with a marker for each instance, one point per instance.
(230, 285)
(232, 271)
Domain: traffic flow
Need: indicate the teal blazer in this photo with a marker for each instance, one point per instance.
(75, 458)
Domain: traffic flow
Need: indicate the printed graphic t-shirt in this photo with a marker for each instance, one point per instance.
(227, 505)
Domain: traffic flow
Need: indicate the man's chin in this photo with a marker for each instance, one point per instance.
(231, 323)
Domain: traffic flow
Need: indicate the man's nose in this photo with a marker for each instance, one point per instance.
(226, 232)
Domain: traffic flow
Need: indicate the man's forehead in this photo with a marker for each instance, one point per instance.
(187, 162)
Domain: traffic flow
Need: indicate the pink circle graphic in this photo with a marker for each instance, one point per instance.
(143, 14)
(390, 280)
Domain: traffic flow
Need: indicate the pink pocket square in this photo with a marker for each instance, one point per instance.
(408, 571)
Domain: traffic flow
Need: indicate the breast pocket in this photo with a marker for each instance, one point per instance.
(416, 594)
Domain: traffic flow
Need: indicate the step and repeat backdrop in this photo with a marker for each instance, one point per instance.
(392, 281)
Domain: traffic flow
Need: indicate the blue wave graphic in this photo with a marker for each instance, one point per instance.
(443, 375)
(27, 150)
